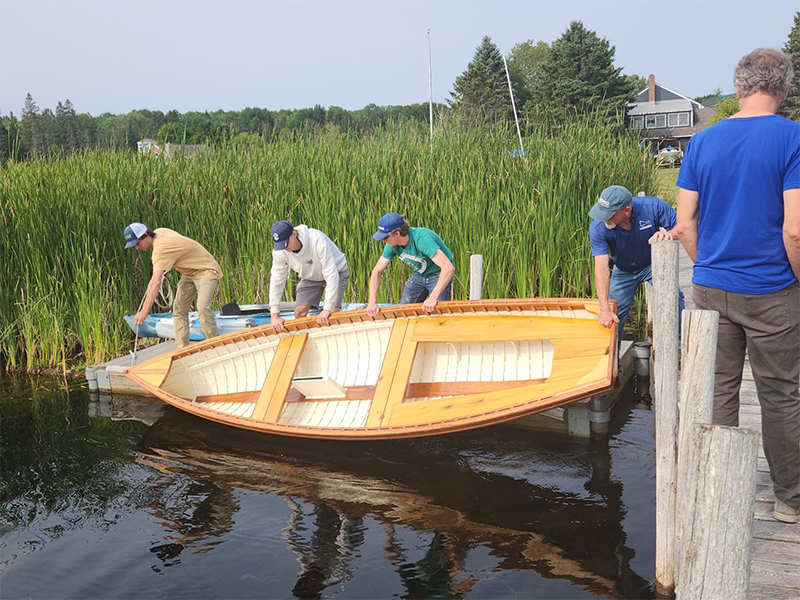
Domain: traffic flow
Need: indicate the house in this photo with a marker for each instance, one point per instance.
(667, 118)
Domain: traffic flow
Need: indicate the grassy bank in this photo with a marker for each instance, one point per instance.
(67, 281)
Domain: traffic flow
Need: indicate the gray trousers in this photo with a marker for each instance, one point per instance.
(768, 327)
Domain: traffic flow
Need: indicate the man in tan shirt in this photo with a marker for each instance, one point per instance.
(200, 274)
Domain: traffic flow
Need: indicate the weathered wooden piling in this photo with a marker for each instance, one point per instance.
(716, 507)
(475, 276)
(665, 348)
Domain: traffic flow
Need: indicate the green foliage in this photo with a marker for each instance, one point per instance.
(714, 96)
(637, 83)
(791, 106)
(524, 63)
(725, 109)
(481, 92)
(67, 281)
(578, 77)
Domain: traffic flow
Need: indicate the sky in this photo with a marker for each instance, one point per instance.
(119, 55)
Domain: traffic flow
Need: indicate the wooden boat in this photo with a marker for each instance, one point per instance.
(402, 374)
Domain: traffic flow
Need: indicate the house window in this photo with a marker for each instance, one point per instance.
(655, 121)
(637, 122)
(678, 119)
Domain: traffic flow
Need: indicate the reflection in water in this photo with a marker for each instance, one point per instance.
(449, 516)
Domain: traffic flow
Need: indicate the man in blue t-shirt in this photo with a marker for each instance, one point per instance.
(739, 220)
(422, 250)
(624, 227)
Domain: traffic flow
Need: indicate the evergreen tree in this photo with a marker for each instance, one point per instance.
(579, 76)
(482, 90)
(30, 134)
(791, 106)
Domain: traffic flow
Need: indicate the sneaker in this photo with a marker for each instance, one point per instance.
(784, 512)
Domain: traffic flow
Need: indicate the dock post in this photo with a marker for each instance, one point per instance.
(475, 276)
(641, 363)
(599, 415)
(665, 347)
(696, 395)
(716, 506)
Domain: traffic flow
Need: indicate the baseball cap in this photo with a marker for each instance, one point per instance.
(388, 223)
(132, 234)
(281, 232)
(611, 200)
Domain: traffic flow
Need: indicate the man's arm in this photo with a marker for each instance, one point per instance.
(688, 217)
(374, 281)
(791, 228)
(150, 296)
(602, 280)
(445, 275)
(331, 275)
(277, 281)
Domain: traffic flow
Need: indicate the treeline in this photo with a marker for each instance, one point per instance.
(40, 133)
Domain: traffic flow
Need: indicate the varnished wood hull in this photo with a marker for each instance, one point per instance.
(402, 374)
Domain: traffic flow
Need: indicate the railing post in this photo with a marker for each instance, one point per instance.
(665, 348)
(475, 276)
(716, 508)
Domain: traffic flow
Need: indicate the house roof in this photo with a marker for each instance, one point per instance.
(667, 106)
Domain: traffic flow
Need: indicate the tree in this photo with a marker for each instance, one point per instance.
(579, 76)
(525, 61)
(791, 106)
(482, 90)
(725, 109)
(30, 131)
(638, 83)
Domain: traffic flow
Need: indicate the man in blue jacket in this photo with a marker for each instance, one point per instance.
(624, 227)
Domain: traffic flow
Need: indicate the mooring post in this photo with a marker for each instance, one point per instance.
(475, 276)
(716, 506)
(665, 348)
(599, 415)
(696, 397)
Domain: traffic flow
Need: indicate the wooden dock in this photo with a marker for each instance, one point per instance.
(775, 548)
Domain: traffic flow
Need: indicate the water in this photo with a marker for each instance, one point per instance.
(171, 506)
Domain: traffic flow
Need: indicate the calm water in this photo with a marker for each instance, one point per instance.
(171, 506)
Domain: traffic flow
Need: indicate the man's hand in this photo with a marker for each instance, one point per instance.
(607, 318)
(322, 318)
(660, 236)
(430, 304)
(140, 317)
(373, 309)
(277, 323)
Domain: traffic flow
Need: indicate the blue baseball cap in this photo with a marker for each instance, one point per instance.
(389, 222)
(281, 232)
(611, 200)
(132, 234)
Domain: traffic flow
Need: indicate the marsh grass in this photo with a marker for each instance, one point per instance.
(67, 281)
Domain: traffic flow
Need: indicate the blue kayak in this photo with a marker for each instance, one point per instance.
(161, 325)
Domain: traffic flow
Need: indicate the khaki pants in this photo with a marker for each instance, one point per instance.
(768, 327)
(188, 288)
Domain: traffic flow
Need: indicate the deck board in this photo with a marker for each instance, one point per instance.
(773, 542)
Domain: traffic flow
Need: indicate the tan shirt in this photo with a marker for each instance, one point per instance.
(171, 250)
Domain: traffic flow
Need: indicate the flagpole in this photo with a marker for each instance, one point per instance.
(513, 105)
(430, 87)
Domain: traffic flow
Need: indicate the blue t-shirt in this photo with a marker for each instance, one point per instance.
(629, 248)
(740, 169)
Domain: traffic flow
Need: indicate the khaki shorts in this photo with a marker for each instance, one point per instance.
(309, 293)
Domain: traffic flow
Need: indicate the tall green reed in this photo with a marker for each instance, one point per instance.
(67, 281)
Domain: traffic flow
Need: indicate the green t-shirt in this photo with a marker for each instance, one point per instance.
(418, 253)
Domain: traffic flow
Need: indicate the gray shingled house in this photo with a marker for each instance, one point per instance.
(667, 118)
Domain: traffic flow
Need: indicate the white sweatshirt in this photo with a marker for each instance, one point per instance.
(318, 260)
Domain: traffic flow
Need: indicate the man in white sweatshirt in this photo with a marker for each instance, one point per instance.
(319, 264)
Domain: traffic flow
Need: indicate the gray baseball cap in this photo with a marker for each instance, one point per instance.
(611, 200)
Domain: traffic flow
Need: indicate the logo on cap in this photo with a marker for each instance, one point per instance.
(603, 202)
(276, 237)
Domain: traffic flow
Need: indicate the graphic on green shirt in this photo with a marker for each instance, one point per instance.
(418, 253)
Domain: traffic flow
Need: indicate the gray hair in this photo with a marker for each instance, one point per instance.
(763, 70)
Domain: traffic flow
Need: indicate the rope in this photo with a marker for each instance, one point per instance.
(163, 300)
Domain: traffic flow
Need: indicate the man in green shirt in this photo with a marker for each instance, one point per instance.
(422, 250)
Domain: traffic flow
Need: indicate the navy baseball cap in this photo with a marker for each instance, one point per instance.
(611, 200)
(388, 223)
(132, 234)
(281, 232)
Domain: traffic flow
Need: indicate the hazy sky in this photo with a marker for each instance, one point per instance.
(119, 55)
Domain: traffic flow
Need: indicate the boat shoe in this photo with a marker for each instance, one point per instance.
(784, 512)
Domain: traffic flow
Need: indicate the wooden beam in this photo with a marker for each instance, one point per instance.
(285, 378)
(496, 328)
(388, 368)
(273, 375)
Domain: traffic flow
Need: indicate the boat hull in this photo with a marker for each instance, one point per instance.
(402, 374)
